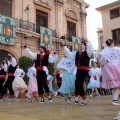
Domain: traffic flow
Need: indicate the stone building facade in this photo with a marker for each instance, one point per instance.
(111, 21)
(100, 39)
(65, 18)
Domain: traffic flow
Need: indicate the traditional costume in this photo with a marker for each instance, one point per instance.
(32, 84)
(49, 82)
(19, 86)
(8, 84)
(68, 79)
(3, 71)
(59, 81)
(42, 70)
(82, 59)
(110, 61)
(94, 83)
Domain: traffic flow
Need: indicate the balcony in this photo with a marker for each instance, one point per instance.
(26, 25)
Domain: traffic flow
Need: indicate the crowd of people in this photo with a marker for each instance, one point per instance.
(71, 81)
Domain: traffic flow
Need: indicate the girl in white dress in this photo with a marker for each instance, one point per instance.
(49, 82)
(94, 83)
(32, 84)
(19, 86)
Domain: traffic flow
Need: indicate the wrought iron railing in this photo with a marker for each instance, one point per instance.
(26, 25)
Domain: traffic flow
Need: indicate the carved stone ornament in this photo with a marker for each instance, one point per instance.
(70, 13)
(60, 1)
(43, 3)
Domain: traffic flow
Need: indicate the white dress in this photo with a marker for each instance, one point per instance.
(110, 60)
(95, 74)
(32, 84)
(49, 81)
(18, 83)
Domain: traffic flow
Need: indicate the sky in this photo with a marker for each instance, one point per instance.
(94, 20)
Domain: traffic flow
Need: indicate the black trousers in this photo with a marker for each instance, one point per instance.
(59, 84)
(8, 85)
(80, 78)
(1, 86)
(41, 81)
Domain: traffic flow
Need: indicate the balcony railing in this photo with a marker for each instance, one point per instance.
(26, 25)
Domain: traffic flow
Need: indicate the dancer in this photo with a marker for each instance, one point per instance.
(59, 81)
(68, 79)
(18, 85)
(82, 59)
(8, 84)
(109, 58)
(42, 71)
(94, 83)
(32, 84)
(3, 70)
(49, 82)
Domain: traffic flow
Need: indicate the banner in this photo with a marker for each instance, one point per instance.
(7, 30)
(75, 43)
(46, 37)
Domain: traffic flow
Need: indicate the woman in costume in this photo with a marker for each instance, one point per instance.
(68, 80)
(109, 58)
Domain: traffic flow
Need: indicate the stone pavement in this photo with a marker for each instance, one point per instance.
(96, 109)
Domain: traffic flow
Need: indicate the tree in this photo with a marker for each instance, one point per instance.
(51, 68)
(24, 63)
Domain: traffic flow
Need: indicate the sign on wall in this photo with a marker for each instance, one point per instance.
(75, 43)
(46, 37)
(7, 30)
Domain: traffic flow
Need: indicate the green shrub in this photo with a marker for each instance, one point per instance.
(24, 63)
(51, 68)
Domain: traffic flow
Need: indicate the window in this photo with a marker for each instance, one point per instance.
(71, 30)
(6, 7)
(42, 18)
(114, 13)
(116, 36)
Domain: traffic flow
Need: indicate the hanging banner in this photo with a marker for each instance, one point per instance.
(46, 37)
(75, 43)
(7, 30)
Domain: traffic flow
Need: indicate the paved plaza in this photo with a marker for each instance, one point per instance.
(96, 109)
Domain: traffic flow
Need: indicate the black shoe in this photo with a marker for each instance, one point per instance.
(69, 100)
(50, 98)
(28, 99)
(14, 99)
(3, 99)
(76, 102)
(42, 100)
(84, 102)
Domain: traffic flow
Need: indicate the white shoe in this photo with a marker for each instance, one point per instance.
(50, 98)
(84, 102)
(91, 96)
(98, 95)
(115, 103)
(28, 99)
(69, 102)
(116, 118)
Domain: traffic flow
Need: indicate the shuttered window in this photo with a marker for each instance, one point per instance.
(6, 7)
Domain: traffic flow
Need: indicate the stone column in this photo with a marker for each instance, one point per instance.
(58, 17)
(83, 15)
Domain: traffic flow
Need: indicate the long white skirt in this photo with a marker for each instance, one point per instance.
(19, 84)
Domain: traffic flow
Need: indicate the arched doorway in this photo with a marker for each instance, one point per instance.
(3, 54)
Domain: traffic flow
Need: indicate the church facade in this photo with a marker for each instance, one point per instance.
(65, 18)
